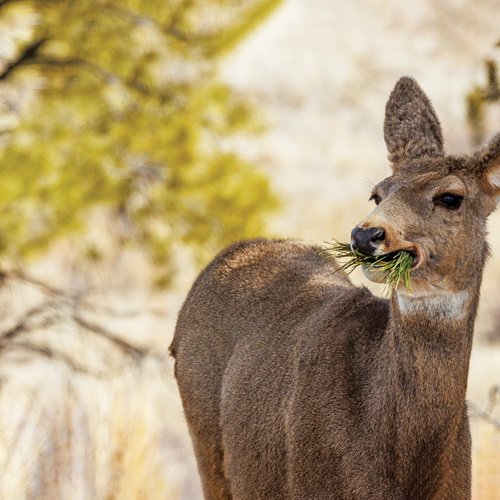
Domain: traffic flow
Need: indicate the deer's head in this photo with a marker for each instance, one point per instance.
(433, 205)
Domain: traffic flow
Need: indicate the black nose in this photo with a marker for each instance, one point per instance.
(365, 240)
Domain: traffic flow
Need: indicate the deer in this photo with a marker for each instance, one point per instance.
(297, 384)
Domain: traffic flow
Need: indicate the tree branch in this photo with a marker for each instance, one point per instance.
(57, 355)
(28, 53)
(79, 299)
(133, 351)
(488, 414)
(39, 317)
(25, 325)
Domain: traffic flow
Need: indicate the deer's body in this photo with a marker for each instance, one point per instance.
(298, 385)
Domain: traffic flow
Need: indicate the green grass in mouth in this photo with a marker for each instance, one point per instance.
(394, 266)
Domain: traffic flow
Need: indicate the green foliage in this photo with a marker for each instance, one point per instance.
(128, 116)
(393, 267)
(479, 98)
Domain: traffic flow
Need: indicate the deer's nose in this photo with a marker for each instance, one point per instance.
(365, 240)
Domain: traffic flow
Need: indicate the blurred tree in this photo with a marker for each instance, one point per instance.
(116, 106)
(478, 99)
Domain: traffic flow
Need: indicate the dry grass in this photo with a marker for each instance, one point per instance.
(70, 436)
(485, 373)
(485, 461)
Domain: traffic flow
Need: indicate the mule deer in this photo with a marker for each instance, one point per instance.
(298, 385)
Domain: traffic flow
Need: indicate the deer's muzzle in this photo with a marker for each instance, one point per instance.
(366, 240)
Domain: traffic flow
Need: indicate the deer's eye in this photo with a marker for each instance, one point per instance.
(376, 198)
(449, 200)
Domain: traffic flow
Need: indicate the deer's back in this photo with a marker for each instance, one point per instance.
(262, 314)
(254, 293)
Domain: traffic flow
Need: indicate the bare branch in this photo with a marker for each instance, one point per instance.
(493, 398)
(42, 285)
(129, 349)
(478, 412)
(59, 356)
(30, 52)
(79, 300)
(26, 324)
(40, 317)
(488, 414)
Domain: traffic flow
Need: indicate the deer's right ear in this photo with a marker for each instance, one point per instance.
(411, 127)
(489, 167)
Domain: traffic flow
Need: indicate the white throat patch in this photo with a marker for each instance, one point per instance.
(442, 305)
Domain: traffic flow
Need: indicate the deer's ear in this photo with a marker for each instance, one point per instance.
(489, 167)
(411, 127)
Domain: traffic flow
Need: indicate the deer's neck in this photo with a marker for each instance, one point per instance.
(431, 338)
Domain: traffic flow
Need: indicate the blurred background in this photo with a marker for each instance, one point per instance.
(137, 138)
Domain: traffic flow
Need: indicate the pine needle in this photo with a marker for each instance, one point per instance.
(395, 266)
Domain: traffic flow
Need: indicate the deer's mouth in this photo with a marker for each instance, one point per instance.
(391, 256)
(416, 255)
(393, 267)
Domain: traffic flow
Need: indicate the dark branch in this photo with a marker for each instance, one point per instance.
(26, 323)
(42, 285)
(57, 355)
(132, 351)
(488, 413)
(477, 412)
(81, 301)
(27, 54)
(39, 317)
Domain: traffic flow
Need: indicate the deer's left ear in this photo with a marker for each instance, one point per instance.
(489, 167)
(411, 127)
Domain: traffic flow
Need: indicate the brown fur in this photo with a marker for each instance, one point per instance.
(298, 385)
